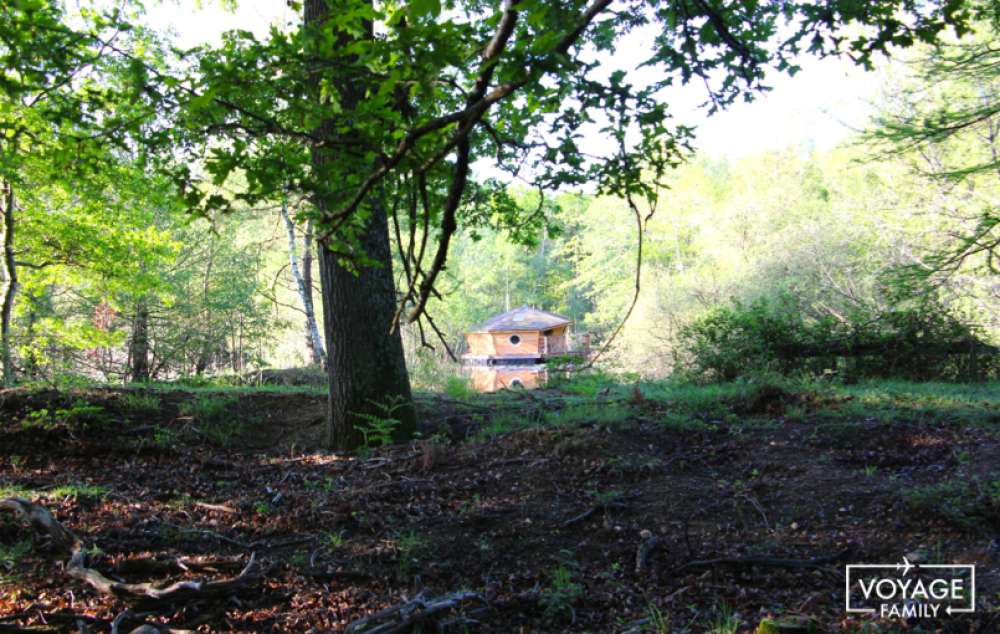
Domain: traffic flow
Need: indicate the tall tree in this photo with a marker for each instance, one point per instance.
(365, 359)
(357, 118)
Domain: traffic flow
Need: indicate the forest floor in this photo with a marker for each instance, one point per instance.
(589, 507)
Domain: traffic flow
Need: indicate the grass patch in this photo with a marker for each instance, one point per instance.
(561, 594)
(587, 383)
(976, 404)
(140, 403)
(594, 413)
(458, 387)
(724, 621)
(214, 416)
(408, 546)
(502, 423)
(236, 390)
(965, 503)
(10, 556)
(76, 490)
(79, 415)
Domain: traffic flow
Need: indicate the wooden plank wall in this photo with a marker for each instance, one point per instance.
(529, 346)
(480, 344)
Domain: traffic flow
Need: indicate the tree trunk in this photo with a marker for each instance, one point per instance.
(307, 282)
(313, 339)
(10, 283)
(365, 362)
(139, 346)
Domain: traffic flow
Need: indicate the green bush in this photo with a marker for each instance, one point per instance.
(457, 387)
(916, 339)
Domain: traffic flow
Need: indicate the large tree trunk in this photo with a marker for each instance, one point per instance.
(139, 346)
(365, 362)
(10, 283)
(313, 338)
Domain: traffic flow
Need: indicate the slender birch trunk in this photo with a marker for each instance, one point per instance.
(10, 284)
(315, 340)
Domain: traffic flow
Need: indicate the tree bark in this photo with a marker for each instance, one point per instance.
(139, 346)
(10, 283)
(313, 338)
(307, 282)
(365, 362)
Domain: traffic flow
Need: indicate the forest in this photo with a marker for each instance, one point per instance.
(438, 316)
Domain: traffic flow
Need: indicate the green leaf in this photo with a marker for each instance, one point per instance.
(421, 8)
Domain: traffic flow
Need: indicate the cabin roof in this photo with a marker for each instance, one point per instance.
(522, 318)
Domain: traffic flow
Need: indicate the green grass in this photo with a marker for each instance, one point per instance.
(77, 490)
(925, 402)
(140, 402)
(215, 417)
(219, 388)
(458, 387)
(745, 405)
(724, 621)
(502, 423)
(595, 413)
(408, 547)
(967, 503)
(10, 556)
(561, 593)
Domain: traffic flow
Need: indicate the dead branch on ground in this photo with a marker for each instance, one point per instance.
(418, 610)
(65, 540)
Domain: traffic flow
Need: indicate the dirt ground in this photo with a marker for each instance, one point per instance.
(593, 525)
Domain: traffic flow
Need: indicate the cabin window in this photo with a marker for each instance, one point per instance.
(548, 333)
(515, 339)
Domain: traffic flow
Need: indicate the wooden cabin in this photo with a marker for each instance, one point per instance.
(506, 377)
(522, 336)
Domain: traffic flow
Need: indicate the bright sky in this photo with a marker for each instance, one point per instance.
(815, 109)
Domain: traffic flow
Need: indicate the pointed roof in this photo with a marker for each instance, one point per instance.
(522, 318)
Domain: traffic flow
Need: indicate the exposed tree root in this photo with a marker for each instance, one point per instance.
(148, 593)
(174, 565)
(419, 611)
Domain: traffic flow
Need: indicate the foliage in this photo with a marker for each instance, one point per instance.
(725, 621)
(457, 387)
(408, 545)
(140, 403)
(946, 120)
(111, 137)
(208, 408)
(915, 340)
(967, 503)
(214, 416)
(562, 592)
(78, 416)
(10, 557)
(378, 429)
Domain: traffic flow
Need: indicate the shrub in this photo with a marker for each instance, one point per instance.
(916, 339)
(457, 387)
